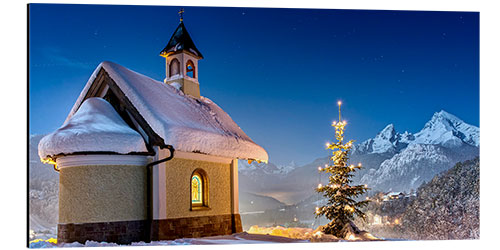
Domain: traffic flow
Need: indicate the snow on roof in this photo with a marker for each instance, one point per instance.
(186, 123)
(393, 193)
(95, 127)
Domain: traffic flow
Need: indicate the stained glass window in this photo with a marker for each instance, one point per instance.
(196, 190)
(190, 69)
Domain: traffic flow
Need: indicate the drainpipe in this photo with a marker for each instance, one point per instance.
(149, 202)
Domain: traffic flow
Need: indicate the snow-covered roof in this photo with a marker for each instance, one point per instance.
(95, 127)
(393, 193)
(188, 124)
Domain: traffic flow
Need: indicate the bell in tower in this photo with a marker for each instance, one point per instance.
(182, 61)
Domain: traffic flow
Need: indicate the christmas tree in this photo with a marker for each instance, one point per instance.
(342, 206)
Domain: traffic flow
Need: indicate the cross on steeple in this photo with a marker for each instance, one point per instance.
(181, 12)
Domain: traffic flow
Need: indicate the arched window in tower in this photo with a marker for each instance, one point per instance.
(174, 67)
(190, 69)
(199, 189)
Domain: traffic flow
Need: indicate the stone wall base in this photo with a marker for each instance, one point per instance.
(194, 227)
(126, 232)
(120, 232)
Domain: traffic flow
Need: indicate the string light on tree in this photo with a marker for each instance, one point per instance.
(342, 206)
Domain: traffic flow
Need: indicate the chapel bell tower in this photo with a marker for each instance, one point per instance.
(182, 61)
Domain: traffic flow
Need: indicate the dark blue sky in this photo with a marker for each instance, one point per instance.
(277, 72)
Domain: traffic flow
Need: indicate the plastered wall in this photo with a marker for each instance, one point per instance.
(178, 181)
(102, 194)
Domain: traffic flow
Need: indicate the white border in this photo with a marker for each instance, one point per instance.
(13, 21)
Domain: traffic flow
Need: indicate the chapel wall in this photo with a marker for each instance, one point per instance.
(102, 194)
(102, 203)
(178, 184)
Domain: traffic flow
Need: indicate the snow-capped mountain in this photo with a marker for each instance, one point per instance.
(448, 130)
(444, 141)
(391, 161)
(386, 141)
(443, 129)
(256, 168)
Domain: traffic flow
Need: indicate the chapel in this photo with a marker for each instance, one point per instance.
(141, 159)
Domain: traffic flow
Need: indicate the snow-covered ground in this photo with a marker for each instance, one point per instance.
(239, 238)
(255, 235)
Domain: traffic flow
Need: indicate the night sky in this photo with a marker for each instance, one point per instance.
(277, 72)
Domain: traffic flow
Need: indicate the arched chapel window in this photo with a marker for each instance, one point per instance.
(174, 67)
(199, 189)
(190, 69)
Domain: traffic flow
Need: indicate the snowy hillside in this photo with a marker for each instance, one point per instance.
(450, 198)
(43, 192)
(414, 165)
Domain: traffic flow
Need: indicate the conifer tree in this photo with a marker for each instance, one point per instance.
(342, 206)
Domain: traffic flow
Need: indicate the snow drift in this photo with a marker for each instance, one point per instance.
(95, 127)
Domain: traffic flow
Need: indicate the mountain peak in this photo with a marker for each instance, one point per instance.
(443, 115)
(447, 130)
(387, 133)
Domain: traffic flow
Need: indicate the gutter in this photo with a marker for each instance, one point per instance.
(149, 183)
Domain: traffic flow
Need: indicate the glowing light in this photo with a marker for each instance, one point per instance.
(51, 240)
(339, 103)
(359, 164)
(50, 161)
(349, 208)
(319, 168)
(320, 186)
(366, 186)
(396, 221)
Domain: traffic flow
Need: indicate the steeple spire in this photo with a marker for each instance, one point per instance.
(181, 61)
(181, 14)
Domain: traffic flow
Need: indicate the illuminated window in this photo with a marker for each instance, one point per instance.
(174, 67)
(199, 196)
(190, 69)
